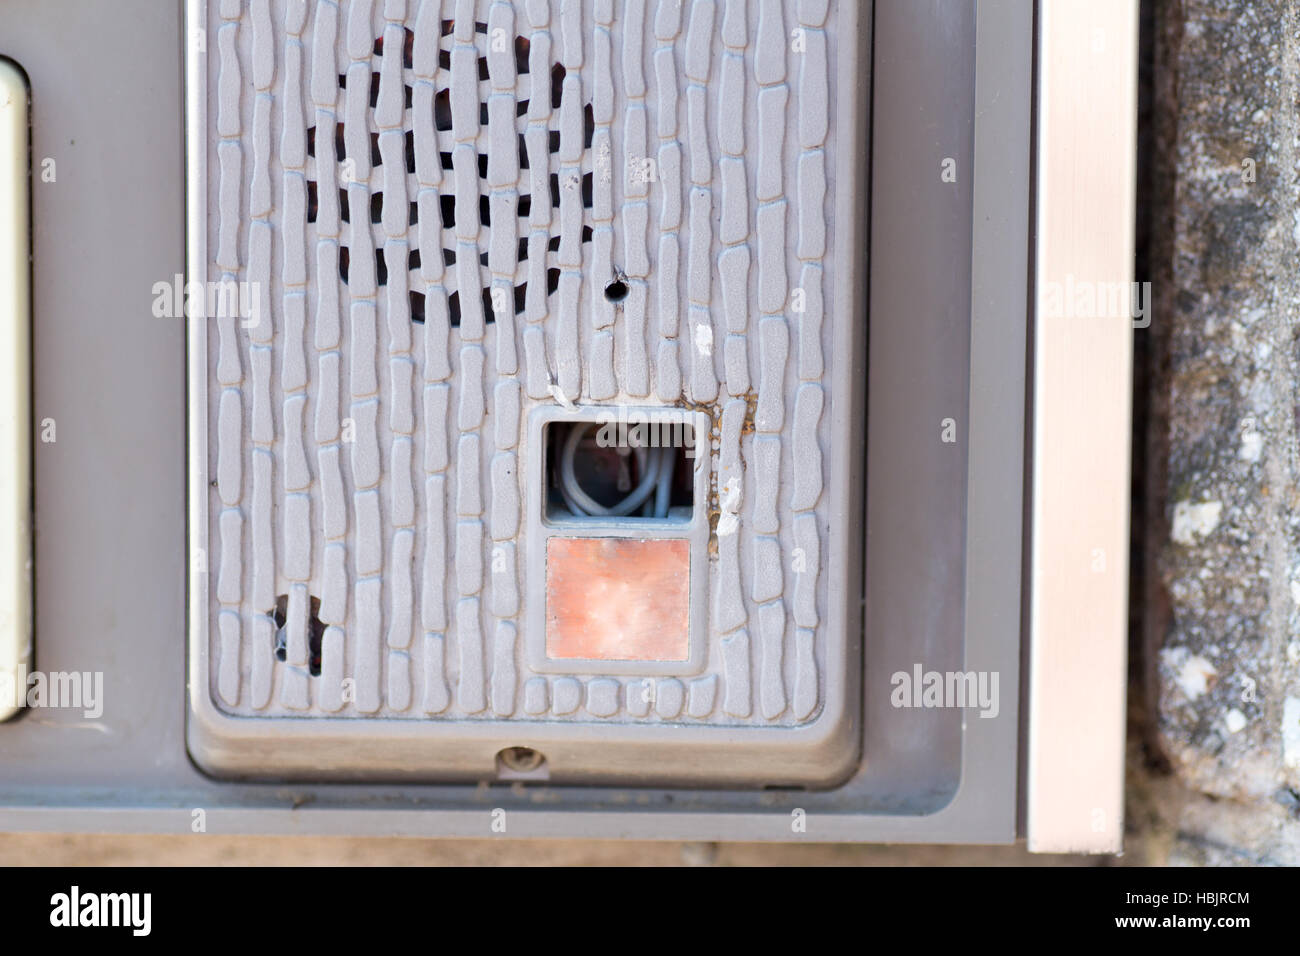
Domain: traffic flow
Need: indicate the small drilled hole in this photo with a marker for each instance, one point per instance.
(616, 291)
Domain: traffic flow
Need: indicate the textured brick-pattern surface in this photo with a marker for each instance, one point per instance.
(430, 199)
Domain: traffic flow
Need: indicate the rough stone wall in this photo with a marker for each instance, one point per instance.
(1222, 597)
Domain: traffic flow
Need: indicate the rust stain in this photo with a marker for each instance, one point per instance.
(617, 599)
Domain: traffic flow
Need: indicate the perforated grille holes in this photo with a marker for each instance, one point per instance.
(352, 153)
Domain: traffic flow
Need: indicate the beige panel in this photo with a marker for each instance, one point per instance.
(1087, 91)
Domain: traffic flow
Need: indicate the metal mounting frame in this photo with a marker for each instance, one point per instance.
(117, 543)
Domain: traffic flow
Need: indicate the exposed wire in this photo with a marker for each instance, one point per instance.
(664, 486)
(656, 466)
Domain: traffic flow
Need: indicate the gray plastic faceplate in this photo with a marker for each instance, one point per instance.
(416, 208)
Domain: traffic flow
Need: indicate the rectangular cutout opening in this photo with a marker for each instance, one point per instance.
(628, 464)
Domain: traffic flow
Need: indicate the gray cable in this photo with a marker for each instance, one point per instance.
(653, 471)
(664, 486)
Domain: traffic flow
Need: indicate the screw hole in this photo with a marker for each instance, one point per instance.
(521, 759)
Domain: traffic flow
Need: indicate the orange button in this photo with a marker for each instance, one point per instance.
(615, 599)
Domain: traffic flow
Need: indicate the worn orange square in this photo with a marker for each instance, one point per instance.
(618, 599)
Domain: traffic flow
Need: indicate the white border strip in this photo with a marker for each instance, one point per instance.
(1078, 626)
(15, 394)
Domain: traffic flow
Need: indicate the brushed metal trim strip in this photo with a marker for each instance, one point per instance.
(15, 394)
(1078, 610)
